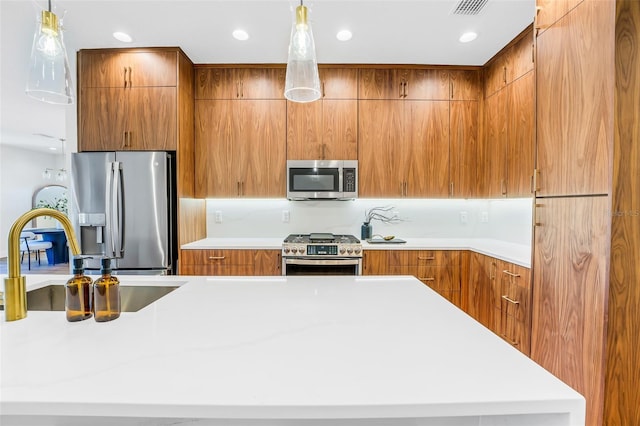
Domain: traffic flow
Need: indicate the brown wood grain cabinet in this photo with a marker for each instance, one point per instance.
(550, 11)
(230, 262)
(129, 98)
(570, 293)
(138, 99)
(240, 148)
(463, 146)
(409, 84)
(499, 297)
(573, 149)
(404, 148)
(328, 128)
(438, 269)
(240, 83)
(506, 150)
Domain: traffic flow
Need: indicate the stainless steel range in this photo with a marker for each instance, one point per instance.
(321, 254)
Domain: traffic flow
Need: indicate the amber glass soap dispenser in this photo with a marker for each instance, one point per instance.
(106, 294)
(78, 293)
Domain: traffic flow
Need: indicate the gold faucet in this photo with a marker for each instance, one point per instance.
(15, 285)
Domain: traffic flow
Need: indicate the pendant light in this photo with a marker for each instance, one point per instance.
(302, 81)
(49, 78)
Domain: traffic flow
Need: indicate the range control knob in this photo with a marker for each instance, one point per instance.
(301, 250)
(357, 250)
(286, 249)
(342, 250)
(349, 250)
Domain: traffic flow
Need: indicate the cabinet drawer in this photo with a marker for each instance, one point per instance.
(445, 278)
(515, 332)
(424, 257)
(217, 270)
(217, 257)
(515, 292)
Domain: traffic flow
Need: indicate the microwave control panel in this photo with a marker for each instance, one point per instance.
(349, 176)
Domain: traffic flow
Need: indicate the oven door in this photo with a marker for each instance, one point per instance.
(333, 266)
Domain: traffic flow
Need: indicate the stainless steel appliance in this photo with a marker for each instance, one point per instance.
(321, 254)
(124, 208)
(322, 179)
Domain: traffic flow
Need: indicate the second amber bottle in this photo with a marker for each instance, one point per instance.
(106, 294)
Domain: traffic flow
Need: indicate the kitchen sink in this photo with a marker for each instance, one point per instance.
(132, 298)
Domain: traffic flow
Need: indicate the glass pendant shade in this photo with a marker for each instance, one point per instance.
(302, 82)
(49, 78)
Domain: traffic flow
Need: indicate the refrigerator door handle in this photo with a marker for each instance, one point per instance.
(109, 209)
(115, 209)
(120, 208)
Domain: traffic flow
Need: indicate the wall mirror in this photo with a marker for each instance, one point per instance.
(52, 196)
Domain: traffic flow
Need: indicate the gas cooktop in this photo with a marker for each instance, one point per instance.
(321, 237)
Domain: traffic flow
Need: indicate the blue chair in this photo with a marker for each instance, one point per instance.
(29, 243)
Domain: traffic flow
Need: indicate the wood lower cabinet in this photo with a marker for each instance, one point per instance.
(230, 262)
(240, 148)
(499, 297)
(440, 270)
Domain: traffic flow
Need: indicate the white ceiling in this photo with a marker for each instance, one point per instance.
(384, 31)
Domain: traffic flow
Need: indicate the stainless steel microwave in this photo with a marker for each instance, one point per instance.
(322, 179)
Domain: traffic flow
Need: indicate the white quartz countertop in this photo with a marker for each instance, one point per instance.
(275, 350)
(519, 254)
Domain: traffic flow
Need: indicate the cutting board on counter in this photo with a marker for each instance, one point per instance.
(381, 241)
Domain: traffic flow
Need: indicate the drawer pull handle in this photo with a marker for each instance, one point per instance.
(428, 279)
(426, 258)
(216, 257)
(511, 274)
(511, 341)
(508, 299)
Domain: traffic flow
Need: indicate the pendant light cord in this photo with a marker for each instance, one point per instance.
(50, 5)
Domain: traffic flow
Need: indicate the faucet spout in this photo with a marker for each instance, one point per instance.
(15, 287)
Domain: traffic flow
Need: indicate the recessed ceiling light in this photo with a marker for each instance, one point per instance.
(467, 37)
(123, 37)
(344, 35)
(52, 148)
(240, 35)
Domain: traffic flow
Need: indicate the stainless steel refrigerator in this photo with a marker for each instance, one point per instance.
(123, 207)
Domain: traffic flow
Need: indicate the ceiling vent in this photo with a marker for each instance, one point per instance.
(469, 7)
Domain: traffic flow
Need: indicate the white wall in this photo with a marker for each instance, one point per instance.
(509, 220)
(20, 176)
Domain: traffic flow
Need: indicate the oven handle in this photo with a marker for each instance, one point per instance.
(332, 261)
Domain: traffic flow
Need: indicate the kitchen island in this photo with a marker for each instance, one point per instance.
(275, 351)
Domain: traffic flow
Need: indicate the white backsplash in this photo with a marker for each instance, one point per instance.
(509, 220)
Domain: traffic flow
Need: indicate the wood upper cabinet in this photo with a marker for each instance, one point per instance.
(240, 148)
(391, 83)
(339, 83)
(574, 100)
(463, 146)
(128, 119)
(127, 69)
(240, 83)
(403, 148)
(230, 262)
(506, 152)
(550, 11)
(128, 100)
(510, 64)
(465, 85)
(326, 129)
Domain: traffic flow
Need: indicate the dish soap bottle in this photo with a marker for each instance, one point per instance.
(78, 293)
(106, 294)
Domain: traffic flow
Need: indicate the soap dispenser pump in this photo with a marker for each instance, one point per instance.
(106, 294)
(78, 293)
